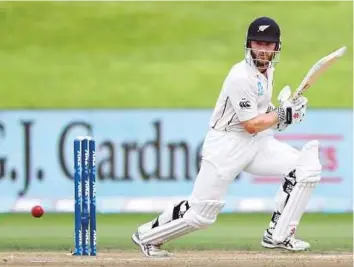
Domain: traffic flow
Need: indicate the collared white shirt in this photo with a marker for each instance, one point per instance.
(245, 94)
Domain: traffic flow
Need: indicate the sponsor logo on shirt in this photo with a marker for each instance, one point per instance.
(245, 104)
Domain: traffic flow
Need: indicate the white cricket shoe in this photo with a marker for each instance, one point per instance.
(150, 250)
(291, 243)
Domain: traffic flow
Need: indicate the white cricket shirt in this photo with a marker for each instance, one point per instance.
(245, 94)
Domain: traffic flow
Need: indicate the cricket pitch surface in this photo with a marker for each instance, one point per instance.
(180, 259)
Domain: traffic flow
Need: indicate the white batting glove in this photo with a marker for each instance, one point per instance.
(278, 126)
(300, 106)
(289, 112)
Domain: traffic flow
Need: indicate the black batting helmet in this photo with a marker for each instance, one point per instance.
(264, 29)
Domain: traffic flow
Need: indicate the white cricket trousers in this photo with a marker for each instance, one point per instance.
(226, 154)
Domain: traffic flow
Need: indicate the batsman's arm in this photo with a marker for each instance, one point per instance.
(243, 97)
(261, 122)
(286, 114)
(278, 126)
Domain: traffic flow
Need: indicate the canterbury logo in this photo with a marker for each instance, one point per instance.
(245, 104)
(262, 28)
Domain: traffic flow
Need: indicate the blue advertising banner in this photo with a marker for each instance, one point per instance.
(149, 158)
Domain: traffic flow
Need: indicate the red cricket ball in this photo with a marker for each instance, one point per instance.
(37, 211)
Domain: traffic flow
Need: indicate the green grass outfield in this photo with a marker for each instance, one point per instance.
(159, 54)
(326, 232)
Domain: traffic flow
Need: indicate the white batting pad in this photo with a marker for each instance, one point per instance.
(203, 213)
(199, 215)
(308, 175)
(166, 232)
(284, 191)
(293, 210)
(308, 166)
(306, 190)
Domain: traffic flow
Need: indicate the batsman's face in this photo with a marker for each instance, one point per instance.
(262, 53)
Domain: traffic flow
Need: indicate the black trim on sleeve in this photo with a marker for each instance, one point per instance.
(227, 99)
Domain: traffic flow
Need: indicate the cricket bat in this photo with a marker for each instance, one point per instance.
(319, 68)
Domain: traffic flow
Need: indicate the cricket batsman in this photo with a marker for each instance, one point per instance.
(240, 139)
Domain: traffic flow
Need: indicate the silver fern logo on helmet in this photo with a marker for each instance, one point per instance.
(262, 28)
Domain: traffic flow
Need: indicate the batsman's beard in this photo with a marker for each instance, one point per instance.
(262, 62)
